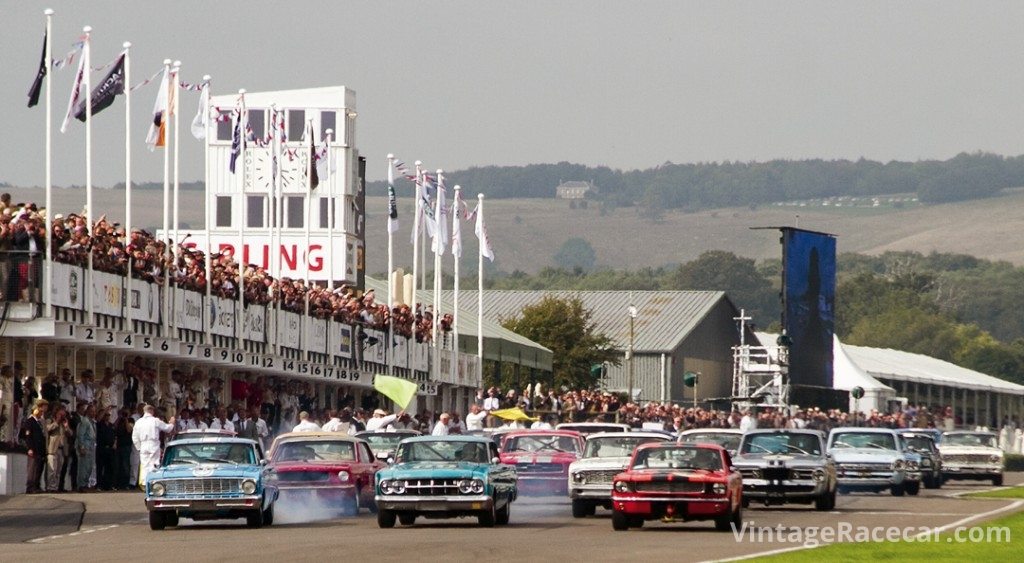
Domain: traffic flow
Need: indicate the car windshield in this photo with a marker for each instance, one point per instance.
(781, 443)
(920, 443)
(873, 440)
(970, 439)
(542, 443)
(609, 446)
(319, 450)
(678, 457)
(384, 442)
(727, 440)
(194, 454)
(441, 450)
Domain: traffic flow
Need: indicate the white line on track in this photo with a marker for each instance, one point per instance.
(937, 530)
(72, 534)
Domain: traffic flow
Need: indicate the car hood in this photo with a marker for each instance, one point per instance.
(789, 460)
(325, 466)
(671, 475)
(593, 463)
(181, 471)
(538, 457)
(433, 470)
(864, 455)
(969, 450)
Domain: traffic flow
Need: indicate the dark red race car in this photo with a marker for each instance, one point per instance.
(677, 482)
(541, 459)
(328, 470)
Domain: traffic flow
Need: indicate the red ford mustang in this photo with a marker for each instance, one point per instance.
(329, 468)
(541, 459)
(675, 482)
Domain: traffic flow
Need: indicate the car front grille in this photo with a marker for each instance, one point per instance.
(968, 458)
(432, 487)
(775, 473)
(203, 486)
(540, 468)
(600, 476)
(848, 467)
(670, 487)
(303, 476)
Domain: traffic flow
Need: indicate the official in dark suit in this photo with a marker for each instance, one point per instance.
(29, 245)
(33, 437)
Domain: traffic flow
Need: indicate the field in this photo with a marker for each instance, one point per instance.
(526, 233)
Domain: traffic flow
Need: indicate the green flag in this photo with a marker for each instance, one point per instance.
(399, 390)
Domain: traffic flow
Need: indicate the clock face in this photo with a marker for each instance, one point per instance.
(259, 168)
(294, 171)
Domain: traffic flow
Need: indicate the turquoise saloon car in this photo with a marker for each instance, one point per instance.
(445, 477)
(210, 478)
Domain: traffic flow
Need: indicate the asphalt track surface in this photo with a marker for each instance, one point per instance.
(114, 528)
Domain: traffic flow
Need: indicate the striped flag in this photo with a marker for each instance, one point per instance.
(158, 126)
(76, 90)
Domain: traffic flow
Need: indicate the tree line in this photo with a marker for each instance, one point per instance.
(708, 185)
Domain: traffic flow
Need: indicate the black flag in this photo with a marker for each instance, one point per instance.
(314, 178)
(37, 84)
(104, 93)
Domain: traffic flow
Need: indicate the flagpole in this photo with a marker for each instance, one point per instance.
(455, 296)
(391, 267)
(277, 146)
(309, 200)
(240, 257)
(174, 107)
(438, 249)
(128, 182)
(480, 295)
(165, 213)
(330, 216)
(87, 62)
(48, 272)
(206, 191)
(416, 241)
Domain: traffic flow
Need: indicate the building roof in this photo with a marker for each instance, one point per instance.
(575, 184)
(499, 342)
(664, 318)
(906, 366)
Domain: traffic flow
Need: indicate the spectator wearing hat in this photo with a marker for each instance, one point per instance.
(381, 420)
(33, 437)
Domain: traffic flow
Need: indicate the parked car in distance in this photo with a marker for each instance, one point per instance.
(605, 455)
(786, 466)
(872, 459)
(971, 455)
(333, 469)
(728, 438)
(673, 482)
(209, 478)
(383, 443)
(930, 462)
(542, 459)
(587, 428)
(445, 477)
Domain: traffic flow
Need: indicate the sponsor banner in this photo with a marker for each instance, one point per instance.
(221, 315)
(400, 349)
(254, 327)
(316, 333)
(419, 356)
(339, 340)
(188, 309)
(375, 346)
(107, 293)
(257, 250)
(144, 299)
(289, 329)
(67, 288)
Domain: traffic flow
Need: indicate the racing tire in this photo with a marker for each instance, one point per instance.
(386, 518)
(826, 501)
(503, 514)
(171, 519)
(913, 488)
(352, 505)
(407, 518)
(620, 522)
(157, 520)
(997, 481)
(487, 518)
(582, 508)
(268, 516)
(898, 490)
(745, 502)
(254, 519)
(929, 482)
(726, 522)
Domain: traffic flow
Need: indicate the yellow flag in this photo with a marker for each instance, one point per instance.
(399, 390)
(516, 414)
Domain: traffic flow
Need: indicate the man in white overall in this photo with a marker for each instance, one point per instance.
(146, 437)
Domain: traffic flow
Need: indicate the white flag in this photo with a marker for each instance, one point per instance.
(440, 241)
(76, 90)
(392, 200)
(202, 117)
(155, 136)
(457, 224)
(481, 234)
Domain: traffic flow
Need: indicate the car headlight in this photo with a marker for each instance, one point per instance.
(623, 486)
(925, 462)
(912, 465)
(476, 486)
(465, 486)
(398, 487)
(248, 487)
(996, 458)
(343, 476)
(718, 488)
(818, 475)
(898, 464)
(385, 487)
(157, 489)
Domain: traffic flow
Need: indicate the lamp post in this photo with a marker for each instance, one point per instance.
(632, 312)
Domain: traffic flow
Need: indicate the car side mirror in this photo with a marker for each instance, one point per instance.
(495, 460)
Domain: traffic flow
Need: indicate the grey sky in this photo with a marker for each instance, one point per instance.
(625, 84)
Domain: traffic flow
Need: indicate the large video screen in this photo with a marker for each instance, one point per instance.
(809, 290)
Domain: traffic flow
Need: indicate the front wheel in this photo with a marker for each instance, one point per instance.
(826, 501)
(386, 518)
(898, 490)
(157, 520)
(913, 488)
(620, 522)
(268, 516)
(487, 517)
(254, 519)
(582, 508)
(504, 514)
(997, 481)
